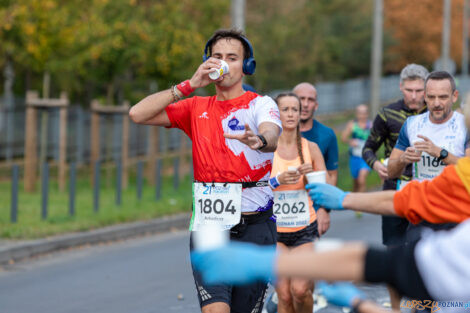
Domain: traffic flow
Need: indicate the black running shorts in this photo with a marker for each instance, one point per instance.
(295, 239)
(245, 298)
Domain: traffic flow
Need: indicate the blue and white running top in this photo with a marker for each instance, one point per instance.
(451, 135)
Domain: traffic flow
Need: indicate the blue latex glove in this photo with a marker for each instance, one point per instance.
(326, 196)
(341, 294)
(236, 263)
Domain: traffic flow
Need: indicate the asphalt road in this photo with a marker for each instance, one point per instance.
(144, 275)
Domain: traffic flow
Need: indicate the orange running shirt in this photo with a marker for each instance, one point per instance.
(444, 199)
(280, 165)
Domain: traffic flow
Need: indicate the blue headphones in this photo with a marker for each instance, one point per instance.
(249, 63)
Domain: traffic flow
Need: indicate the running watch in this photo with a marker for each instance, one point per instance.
(263, 141)
(444, 153)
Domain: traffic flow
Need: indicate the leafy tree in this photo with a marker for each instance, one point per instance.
(309, 40)
(416, 27)
(98, 46)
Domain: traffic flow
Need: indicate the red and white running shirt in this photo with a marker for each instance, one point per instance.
(217, 159)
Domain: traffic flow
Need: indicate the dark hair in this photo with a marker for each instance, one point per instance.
(299, 138)
(441, 75)
(226, 34)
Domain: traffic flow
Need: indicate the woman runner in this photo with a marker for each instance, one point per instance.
(296, 220)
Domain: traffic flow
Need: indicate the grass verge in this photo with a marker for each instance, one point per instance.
(30, 225)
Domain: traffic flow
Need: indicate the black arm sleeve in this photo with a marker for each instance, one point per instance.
(396, 266)
(378, 133)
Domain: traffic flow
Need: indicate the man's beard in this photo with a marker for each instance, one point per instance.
(305, 120)
(444, 115)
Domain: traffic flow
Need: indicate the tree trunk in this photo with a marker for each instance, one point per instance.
(110, 93)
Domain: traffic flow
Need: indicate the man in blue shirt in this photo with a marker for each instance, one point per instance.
(322, 135)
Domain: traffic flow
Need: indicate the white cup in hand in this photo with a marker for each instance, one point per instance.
(209, 237)
(418, 152)
(316, 177)
(292, 169)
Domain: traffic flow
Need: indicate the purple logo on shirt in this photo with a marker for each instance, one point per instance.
(233, 124)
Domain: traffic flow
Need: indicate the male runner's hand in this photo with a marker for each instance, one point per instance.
(201, 76)
(323, 221)
(381, 169)
(410, 155)
(236, 263)
(341, 294)
(249, 138)
(326, 196)
(427, 146)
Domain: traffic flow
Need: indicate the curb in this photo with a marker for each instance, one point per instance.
(111, 233)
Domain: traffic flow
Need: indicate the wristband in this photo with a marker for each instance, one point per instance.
(185, 88)
(274, 182)
(176, 96)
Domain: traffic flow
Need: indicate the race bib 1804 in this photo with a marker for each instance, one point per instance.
(291, 208)
(216, 204)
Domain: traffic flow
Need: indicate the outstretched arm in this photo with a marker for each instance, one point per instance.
(151, 109)
(241, 263)
(380, 202)
(346, 263)
(333, 198)
(268, 130)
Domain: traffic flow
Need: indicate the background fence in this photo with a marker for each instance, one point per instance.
(333, 97)
(12, 138)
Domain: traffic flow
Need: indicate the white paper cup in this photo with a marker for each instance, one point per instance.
(385, 162)
(210, 237)
(218, 72)
(418, 152)
(316, 177)
(292, 169)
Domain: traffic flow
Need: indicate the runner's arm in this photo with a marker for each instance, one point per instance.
(316, 157)
(316, 162)
(395, 165)
(428, 146)
(347, 132)
(346, 263)
(333, 198)
(452, 159)
(331, 160)
(380, 202)
(332, 177)
(151, 109)
(378, 133)
(270, 132)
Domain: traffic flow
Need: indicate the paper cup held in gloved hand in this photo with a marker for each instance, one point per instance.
(316, 177)
(209, 237)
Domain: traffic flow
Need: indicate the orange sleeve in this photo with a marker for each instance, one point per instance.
(441, 200)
